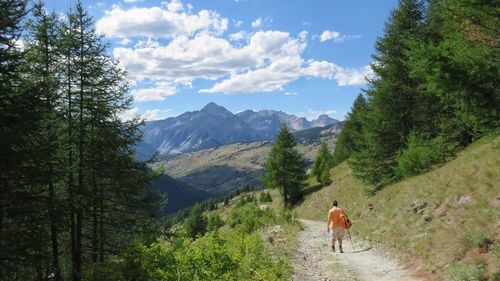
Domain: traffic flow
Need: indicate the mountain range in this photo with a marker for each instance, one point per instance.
(215, 126)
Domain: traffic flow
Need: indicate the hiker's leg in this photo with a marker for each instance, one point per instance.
(340, 245)
(334, 237)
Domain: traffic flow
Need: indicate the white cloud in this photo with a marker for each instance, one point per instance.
(128, 114)
(204, 56)
(149, 115)
(291, 94)
(344, 76)
(132, 1)
(157, 22)
(158, 93)
(175, 6)
(125, 41)
(303, 35)
(237, 36)
(237, 23)
(263, 61)
(156, 114)
(336, 36)
(257, 23)
(314, 114)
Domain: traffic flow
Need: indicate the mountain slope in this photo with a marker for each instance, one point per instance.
(215, 126)
(210, 127)
(431, 221)
(269, 121)
(226, 168)
(179, 195)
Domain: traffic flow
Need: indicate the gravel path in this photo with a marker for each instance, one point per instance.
(315, 260)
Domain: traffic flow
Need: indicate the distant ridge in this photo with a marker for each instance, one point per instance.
(215, 126)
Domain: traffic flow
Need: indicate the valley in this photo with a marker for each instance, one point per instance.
(221, 170)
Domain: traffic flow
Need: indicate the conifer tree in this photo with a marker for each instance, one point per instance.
(285, 168)
(41, 65)
(321, 162)
(350, 139)
(393, 97)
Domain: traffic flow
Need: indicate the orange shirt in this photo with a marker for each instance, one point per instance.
(333, 217)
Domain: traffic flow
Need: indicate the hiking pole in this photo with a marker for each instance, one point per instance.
(348, 233)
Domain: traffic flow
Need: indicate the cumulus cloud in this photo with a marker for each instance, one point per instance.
(156, 114)
(195, 48)
(291, 94)
(237, 23)
(157, 93)
(237, 36)
(314, 114)
(343, 76)
(204, 56)
(158, 22)
(257, 23)
(149, 115)
(335, 36)
(128, 114)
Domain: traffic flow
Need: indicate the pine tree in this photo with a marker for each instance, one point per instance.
(456, 63)
(321, 162)
(196, 222)
(350, 139)
(393, 97)
(285, 168)
(41, 64)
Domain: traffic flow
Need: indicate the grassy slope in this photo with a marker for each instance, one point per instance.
(436, 235)
(225, 168)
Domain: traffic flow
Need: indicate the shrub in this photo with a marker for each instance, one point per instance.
(467, 272)
(495, 249)
(196, 222)
(265, 197)
(249, 217)
(482, 240)
(214, 222)
(419, 155)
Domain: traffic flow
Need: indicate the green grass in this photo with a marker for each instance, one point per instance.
(419, 220)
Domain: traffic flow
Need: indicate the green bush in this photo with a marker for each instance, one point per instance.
(467, 272)
(248, 217)
(420, 154)
(265, 197)
(214, 222)
(495, 249)
(196, 223)
(482, 240)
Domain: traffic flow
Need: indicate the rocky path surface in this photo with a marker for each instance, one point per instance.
(315, 260)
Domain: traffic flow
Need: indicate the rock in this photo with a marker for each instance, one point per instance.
(465, 200)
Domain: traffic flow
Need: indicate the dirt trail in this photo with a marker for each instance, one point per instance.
(315, 260)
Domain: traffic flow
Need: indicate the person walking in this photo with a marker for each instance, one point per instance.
(337, 224)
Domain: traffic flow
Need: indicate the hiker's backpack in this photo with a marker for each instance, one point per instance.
(345, 221)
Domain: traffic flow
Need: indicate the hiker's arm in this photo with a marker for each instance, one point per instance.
(328, 223)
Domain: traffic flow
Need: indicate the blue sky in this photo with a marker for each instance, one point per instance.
(302, 57)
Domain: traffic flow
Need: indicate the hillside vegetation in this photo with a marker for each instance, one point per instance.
(441, 223)
(223, 169)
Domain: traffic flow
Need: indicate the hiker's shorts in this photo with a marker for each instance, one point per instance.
(337, 233)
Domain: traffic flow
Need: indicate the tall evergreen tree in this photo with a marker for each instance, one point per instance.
(393, 96)
(458, 64)
(322, 156)
(285, 168)
(350, 139)
(41, 65)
